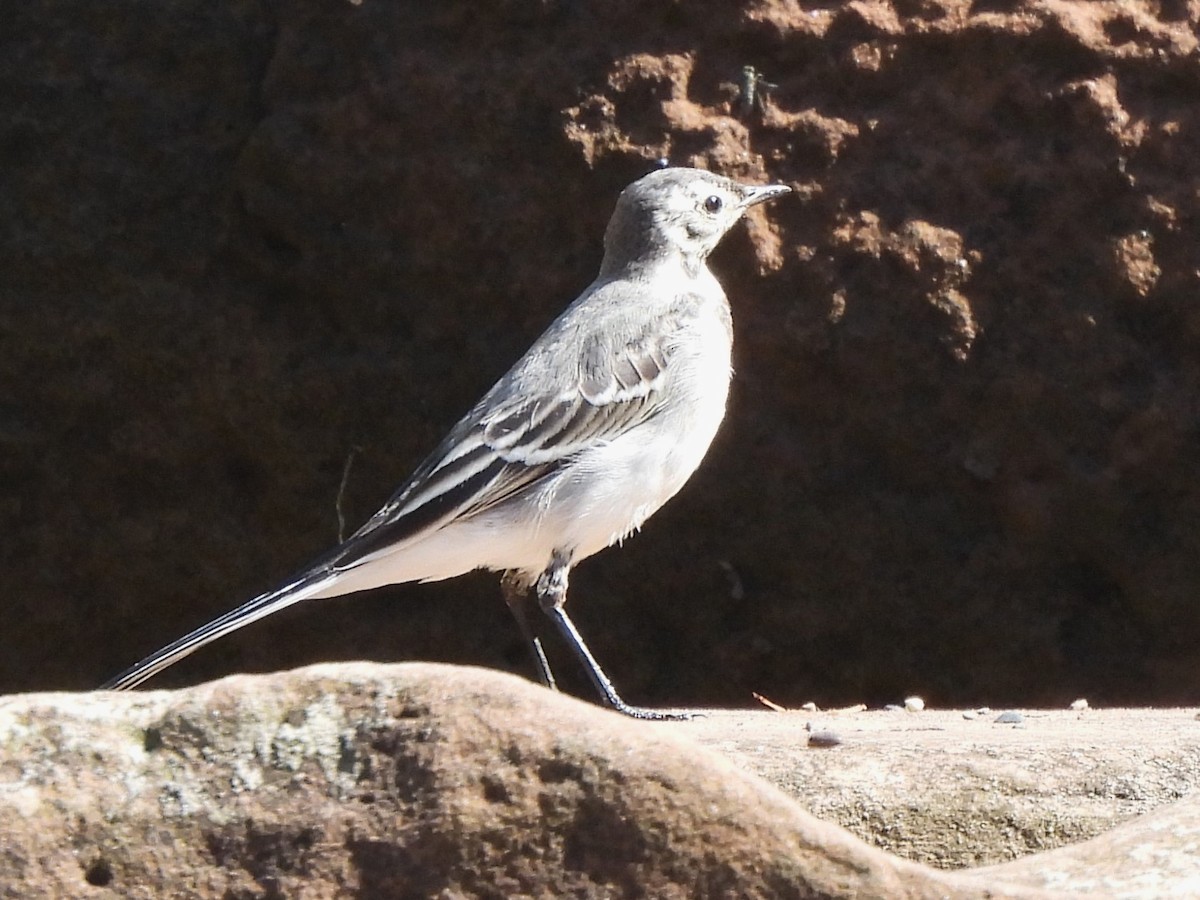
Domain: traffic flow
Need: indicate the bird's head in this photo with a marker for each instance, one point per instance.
(677, 212)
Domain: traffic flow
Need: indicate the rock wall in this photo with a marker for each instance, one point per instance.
(242, 243)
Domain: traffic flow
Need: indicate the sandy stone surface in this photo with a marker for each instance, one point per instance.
(939, 788)
(366, 781)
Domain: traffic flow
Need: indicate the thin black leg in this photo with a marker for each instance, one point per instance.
(552, 595)
(516, 595)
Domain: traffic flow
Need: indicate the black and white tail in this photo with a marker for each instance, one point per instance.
(264, 605)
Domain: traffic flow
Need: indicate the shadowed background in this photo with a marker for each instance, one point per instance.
(240, 242)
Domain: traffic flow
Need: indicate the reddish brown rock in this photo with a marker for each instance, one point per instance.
(441, 783)
(420, 780)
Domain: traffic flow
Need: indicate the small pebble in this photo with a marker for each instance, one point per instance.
(810, 707)
(914, 704)
(893, 707)
(1079, 705)
(1011, 717)
(824, 739)
(970, 714)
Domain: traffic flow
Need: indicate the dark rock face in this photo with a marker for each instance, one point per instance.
(239, 243)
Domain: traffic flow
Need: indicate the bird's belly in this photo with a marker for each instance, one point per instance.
(604, 495)
(596, 512)
(613, 488)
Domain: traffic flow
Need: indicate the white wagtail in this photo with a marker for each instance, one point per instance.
(593, 429)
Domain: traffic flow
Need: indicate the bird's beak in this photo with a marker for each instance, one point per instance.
(760, 193)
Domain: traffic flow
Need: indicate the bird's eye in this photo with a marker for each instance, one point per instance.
(713, 204)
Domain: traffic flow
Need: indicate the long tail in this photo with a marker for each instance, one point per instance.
(258, 608)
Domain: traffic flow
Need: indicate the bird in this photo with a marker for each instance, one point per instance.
(589, 433)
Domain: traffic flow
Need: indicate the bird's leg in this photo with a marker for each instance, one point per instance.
(516, 595)
(551, 589)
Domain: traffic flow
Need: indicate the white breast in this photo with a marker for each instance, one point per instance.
(613, 488)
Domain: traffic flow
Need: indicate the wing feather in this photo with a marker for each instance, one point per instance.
(507, 445)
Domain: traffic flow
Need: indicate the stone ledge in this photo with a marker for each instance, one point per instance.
(361, 780)
(938, 788)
